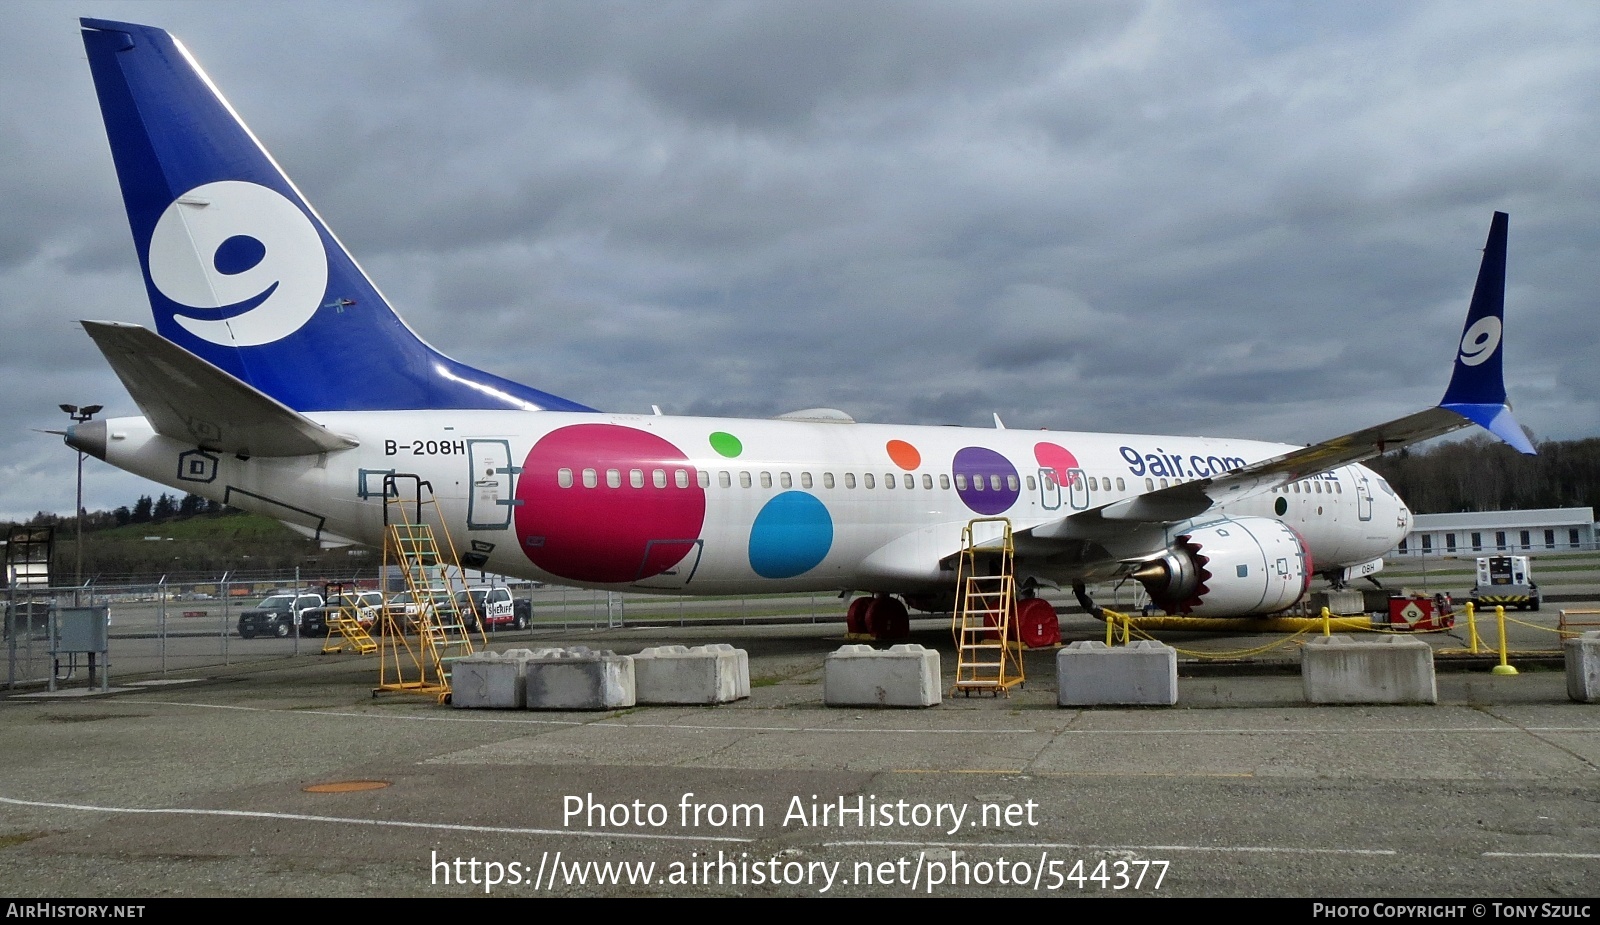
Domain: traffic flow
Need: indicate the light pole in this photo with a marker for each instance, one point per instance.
(80, 415)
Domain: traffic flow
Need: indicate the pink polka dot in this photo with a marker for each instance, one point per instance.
(607, 534)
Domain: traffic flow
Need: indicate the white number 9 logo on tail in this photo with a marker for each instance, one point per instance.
(223, 245)
(1479, 342)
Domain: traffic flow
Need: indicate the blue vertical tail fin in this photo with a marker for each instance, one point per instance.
(240, 270)
(1477, 389)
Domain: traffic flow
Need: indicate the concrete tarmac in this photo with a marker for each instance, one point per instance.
(203, 783)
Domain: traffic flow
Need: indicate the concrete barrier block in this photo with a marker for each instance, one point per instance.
(579, 678)
(704, 674)
(901, 676)
(1094, 674)
(1387, 669)
(489, 681)
(1583, 667)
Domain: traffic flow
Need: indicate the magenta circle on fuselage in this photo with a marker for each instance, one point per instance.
(1057, 459)
(607, 504)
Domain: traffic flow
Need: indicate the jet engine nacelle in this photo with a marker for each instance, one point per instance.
(1232, 568)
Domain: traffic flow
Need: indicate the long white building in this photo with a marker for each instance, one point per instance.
(1563, 529)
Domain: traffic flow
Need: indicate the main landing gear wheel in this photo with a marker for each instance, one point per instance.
(887, 619)
(1037, 624)
(855, 618)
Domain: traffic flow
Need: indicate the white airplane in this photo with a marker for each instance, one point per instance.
(282, 382)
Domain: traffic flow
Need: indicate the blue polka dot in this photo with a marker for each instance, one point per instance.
(791, 536)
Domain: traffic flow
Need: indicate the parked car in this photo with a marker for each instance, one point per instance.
(365, 604)
(277, 615)
(493, 607)
(404, 610)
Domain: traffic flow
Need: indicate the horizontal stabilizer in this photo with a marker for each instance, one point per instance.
(188, 399)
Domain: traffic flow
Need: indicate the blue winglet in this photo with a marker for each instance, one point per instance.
(1477, 389)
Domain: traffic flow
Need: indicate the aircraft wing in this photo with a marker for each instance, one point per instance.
(1191, 499)
(188, 399)
(1476, 395)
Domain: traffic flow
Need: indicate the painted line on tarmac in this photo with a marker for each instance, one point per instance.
(1356, 730)
(606, 724)
(1219, 849)
(384, 823)
(1541, 854)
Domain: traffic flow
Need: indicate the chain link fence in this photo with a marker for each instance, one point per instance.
(170, 626)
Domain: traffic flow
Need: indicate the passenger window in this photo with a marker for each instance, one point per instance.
(961, 482)
(927, 482)
(944, 482)
(766, 480)
(636, 478)
(827, 480)
(724, 479)
(1120, 486)
(978, 483)
(681, 478)
(589, 480)
(849, 480)
(888, 480)
(910, 480)
(805, 480)
(564, 478)
(867, 481)
(784, 481)
(744, 480)
(704, 479)
(1031, 484)
(613, 478)
(1011, 483)
(1163, 483)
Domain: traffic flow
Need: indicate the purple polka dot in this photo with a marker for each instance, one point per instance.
(991, 481)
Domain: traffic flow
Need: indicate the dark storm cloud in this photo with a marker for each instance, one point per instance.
(1249, 219)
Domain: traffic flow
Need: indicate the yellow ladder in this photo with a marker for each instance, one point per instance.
(986, 657)
(345, 624)
(416, 656)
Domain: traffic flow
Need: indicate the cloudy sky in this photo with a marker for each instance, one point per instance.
(1250, 219)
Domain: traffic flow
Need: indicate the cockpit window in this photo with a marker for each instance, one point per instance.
(1386, 489)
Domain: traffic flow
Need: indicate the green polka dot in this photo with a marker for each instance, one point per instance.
(726, 444)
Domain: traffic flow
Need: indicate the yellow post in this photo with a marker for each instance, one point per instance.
(1111, 625)
(1500, 618)
(1472, 628)
(1327, 629)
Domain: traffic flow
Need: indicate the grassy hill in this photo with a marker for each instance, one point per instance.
(206, 545)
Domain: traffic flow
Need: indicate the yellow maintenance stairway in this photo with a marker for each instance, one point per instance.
(987, 658)
(344, 622)
(422, 637)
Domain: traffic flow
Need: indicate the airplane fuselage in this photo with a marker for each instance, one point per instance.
(715, 505)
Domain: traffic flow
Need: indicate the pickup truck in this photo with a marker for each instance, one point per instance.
(494, 606)
(277, 614)
(365, 604)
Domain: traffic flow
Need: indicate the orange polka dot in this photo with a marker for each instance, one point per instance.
(904, 454)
